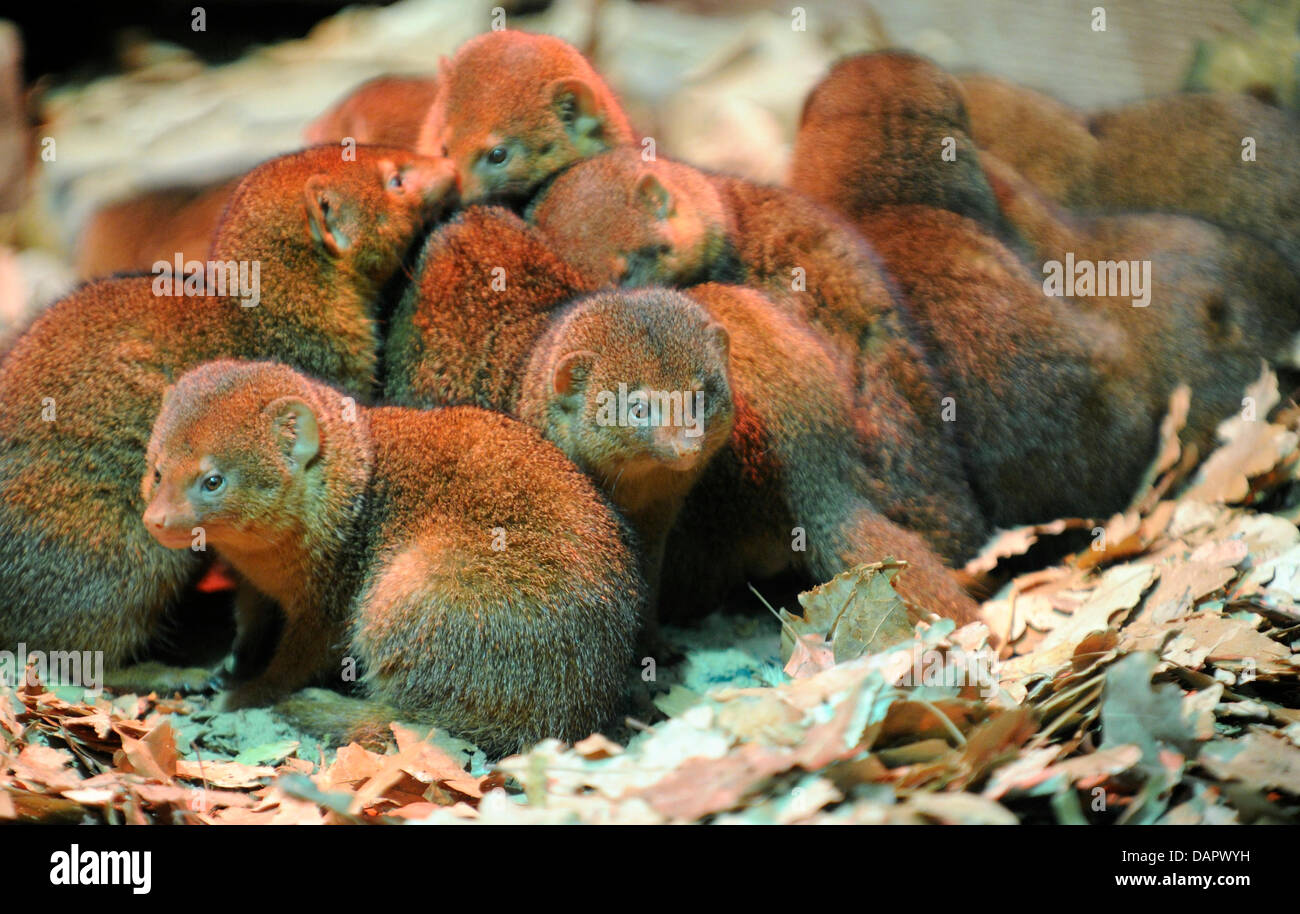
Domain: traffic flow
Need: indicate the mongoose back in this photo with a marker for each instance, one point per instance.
(1046, 141)
(1220, 301)
(484, 289)
(619, 219)
(514, 108)
(80, 389)
(721, 402)
(889, 128)
(474, 573)
(133, 234)
(384, 111)
(1227, 158)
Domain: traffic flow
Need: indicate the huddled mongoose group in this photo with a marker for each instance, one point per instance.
(506, 389)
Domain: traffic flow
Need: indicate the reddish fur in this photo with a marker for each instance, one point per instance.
(1058, 402)
(374, 532)
(1222, 301)
(386, 111)
(131, 236)
(134, 234)
(77, 570)
(458, 340)
(874, 132)
(779, 451)
(623, 220)
(1042, 139)
(454, 338)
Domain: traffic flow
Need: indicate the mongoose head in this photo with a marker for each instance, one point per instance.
(623, 220)
(235, 452)
(632, 383)
(513, 108)
(360, 215)
(386, 110)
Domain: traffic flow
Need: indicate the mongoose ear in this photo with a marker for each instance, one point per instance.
(650, 194)
(571, 370)
(324, 212)
(720, 338)
(576, 105)
(295, 429)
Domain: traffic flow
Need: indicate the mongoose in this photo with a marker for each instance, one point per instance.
(1033, 390)
(1047, 142)
(619, 219)
(889, 128)
(487, 290)
(1058, 420)
(384, 111)
(135, 233)
(472, 571)
(744, 417)
(1227, 158)
(484, 323)
(1041, 401)
(634, 388)
(80, 389)
(483, 291)
(1220, 300)
(514, 108)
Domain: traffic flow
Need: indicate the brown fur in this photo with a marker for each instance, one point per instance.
(386, 111)
(874, 132)
(1178, 154)
(1182, 154)
(623, 220)
(1047, 425)
(455, 336)
(533, 96)
(651, 341)
(1044, 140)
(373, 531)
(1057, 402)
(1221, 300)
(778, 450)
(134, 234)
(77, 569)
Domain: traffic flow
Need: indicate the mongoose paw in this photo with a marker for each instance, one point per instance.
(163, 679)
(250, 695)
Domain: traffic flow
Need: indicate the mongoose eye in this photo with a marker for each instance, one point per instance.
(498, 155)
(395, 181)
(212, 482)
(157, 476)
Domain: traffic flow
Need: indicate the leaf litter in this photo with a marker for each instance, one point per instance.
(1152, 676)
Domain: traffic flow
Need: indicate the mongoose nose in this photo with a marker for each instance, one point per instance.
(438, 181)
(678, 449)
(155, 517)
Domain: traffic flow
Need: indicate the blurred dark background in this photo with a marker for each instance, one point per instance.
(71, 42)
